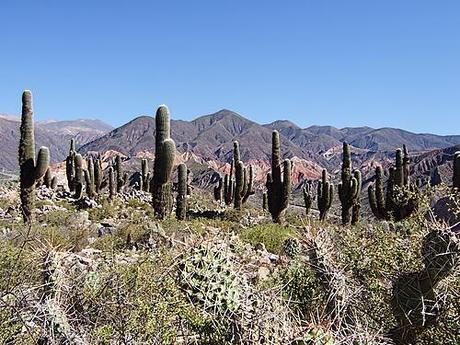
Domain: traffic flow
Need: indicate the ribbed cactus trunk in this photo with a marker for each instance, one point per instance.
(164, 159)
(89, 178)
(30, 170)
(264, 201)
(349, 189)
(229, 186)
(456, 167)
(218, 190)
(307, 196)
(47, 180)
(98, 175)
(121, 176)
(325, 195)
(181, 200)
(70, 166)
(145, 176)
(278, 182)
(112, 187)
(78, 181)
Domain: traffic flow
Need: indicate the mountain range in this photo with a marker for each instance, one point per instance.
(209, 140)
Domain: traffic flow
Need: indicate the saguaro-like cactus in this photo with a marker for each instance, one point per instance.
(243, 179)
(70, 166)
(78, 180)
(264, 201)
(31, 170)
(357, 204)
(181, 200)
(399, 200)
(278, 181)
(165, 149)
(89, 178)
(307, 196)
(112, 186)
(218, 190)
(456, 177)
(325, 195)
(122, 177)
(350, 187)
(229, 186)
(98, 175)
(145, 176)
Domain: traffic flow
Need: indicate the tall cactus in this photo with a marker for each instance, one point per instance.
(112, 187)
(357, 204)
(49, 180)
(122, 177)
(98, 175)
(218, 190)
(145, 176)
(89, 178)
(307, 196)
(165, 149)
(456, 165)
(70, 166)
(243, 179)
(78, 180)
(181, 200)
(278, 182)
(350, 187)
(229, 186)
(31, 170)
(400, 199)
(325, 195)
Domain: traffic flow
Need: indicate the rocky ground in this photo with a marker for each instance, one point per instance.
(100, 272)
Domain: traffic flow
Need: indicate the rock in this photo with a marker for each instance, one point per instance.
(263, 273)
(86, 202)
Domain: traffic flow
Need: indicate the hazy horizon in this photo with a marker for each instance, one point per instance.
(343, 64)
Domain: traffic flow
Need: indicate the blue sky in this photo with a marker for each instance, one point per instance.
(344, 63)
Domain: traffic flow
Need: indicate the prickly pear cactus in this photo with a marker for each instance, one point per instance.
(209, 277)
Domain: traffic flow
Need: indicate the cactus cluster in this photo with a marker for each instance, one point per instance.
(349, 189)
(399, 200)
(208, 274)
(414, 301)
(93, 176)
(456, 168)
(325, 195)
(31, 169)
(236, 189)
(278, 181)
(165, 149)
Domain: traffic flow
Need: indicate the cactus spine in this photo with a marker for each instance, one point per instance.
(181, 200)
(456, 178)
(31, 170)
(400, 198)
(70, 166)
(278, 181)
(307, 196)
(164, 159)
(349, 189)
(325, 195)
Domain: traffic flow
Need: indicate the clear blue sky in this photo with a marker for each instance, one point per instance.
(344, 63)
